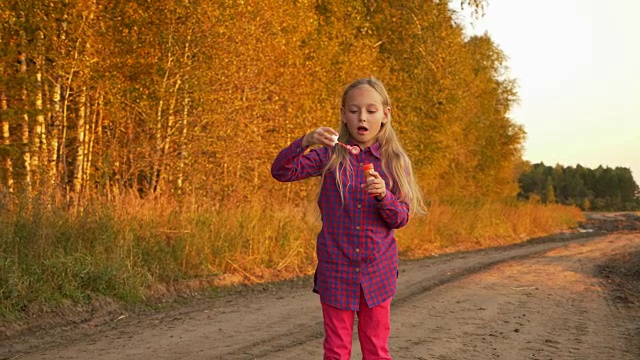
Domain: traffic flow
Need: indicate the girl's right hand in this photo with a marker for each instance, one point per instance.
(324, 135)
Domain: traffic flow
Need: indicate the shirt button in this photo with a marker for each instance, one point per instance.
(357, 269)
(358, 227)
(357, 250)
(359, 206)
(361, 164)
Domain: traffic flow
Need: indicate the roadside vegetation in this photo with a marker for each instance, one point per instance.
(131, 248)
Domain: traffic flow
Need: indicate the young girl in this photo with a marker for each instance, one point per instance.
(356, 249)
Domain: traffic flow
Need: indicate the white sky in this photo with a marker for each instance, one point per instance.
(577, 63)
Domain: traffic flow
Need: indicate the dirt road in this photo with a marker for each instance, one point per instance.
(540, 300)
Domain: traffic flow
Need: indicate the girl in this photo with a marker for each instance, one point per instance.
(356, 249)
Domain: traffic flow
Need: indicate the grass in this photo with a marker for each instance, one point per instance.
(456, 226)
(130, 248)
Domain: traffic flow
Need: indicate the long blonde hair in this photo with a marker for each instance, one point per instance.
(395, 161)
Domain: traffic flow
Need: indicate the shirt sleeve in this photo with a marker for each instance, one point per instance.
(294, 163)
(393, 211)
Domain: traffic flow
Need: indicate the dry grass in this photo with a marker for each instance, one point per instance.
(472, 225)
(131, 247)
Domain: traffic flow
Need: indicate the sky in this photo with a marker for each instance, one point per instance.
(577, 64)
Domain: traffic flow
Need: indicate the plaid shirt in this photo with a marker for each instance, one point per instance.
(356, 247)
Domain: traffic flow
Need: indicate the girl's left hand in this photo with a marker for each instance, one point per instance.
(375, 185)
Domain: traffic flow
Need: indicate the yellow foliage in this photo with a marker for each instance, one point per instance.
(198, 97)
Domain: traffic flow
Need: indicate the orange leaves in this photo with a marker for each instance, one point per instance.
(258, 74)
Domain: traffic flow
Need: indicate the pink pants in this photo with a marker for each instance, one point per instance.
(373, 331)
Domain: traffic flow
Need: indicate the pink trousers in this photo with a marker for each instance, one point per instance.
(373, 331)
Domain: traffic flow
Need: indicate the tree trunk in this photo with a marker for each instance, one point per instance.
(160, 138)
(168, 134)
(78, 166)
(62, 147)
(95, 119)
(7, 164)
(26, 151)
(40, 139)
(182, 148)
(184, 122)
(54, 133)
(56, 115)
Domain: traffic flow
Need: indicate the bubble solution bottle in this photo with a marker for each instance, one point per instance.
(368, 169)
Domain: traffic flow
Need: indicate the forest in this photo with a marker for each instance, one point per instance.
(137, 136)
(163, 97)
(600, 189)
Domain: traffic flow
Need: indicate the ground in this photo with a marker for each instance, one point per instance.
(569, 296)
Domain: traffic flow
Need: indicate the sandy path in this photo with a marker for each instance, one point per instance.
(540, 300)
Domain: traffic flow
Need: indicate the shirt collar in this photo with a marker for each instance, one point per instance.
(375, 149)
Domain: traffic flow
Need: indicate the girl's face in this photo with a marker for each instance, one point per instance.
(363, 114)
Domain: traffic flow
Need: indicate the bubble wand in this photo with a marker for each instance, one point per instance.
(355, 150)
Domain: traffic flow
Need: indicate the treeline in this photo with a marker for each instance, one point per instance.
(191, 96)
(600, 189)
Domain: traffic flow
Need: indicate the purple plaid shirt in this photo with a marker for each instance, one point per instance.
(356, 247)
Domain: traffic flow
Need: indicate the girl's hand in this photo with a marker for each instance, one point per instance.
(375, 185)
(325, 136)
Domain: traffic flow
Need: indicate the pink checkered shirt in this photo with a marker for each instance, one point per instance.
(356, 247)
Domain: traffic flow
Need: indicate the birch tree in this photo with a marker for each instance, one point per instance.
(5, 154)
(8, 53)
(26, 149)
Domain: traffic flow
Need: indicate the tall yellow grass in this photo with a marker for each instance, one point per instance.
(458, 226)
(127, 247)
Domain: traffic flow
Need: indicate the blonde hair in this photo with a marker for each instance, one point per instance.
(395, 162)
